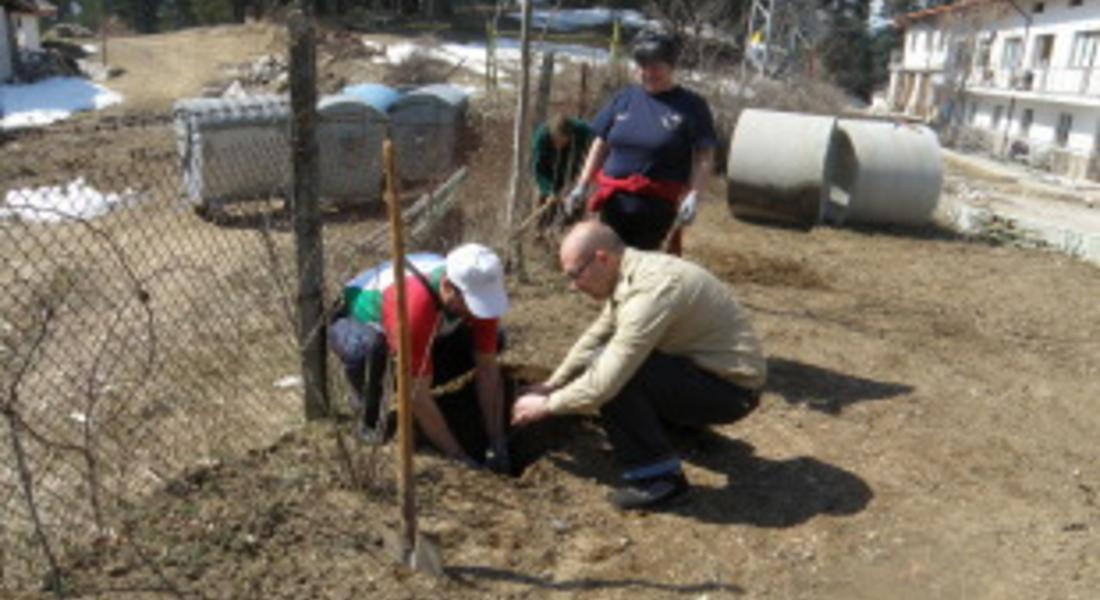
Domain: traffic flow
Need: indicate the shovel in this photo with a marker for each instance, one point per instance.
(549, 204)
(407, 546)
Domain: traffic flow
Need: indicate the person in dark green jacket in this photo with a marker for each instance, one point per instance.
(558, 151)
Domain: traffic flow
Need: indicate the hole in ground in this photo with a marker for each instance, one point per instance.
(526, 445)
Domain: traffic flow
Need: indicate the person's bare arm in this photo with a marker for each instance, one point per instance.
(490, 395)
(431, 421)
(702, 165)
(597, 153)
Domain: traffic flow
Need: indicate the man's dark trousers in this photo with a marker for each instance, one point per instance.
(666, 390)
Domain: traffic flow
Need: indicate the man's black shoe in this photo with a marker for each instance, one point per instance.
(498, 460)
(650, 492)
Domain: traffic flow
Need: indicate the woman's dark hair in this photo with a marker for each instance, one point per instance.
(651, 47)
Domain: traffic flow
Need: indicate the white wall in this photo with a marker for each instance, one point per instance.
(926, 46)
(5, 60)
(1044, 123)
(1058, 19)
(27, 32)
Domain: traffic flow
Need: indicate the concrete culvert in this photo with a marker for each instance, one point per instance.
(777, 166)
(884, 173)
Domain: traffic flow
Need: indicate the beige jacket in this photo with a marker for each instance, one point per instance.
(661, 303)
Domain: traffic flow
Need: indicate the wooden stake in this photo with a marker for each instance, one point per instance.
(404, 374)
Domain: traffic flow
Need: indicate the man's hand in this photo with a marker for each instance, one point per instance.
(688, 207)
(574, 202)
(530, 408)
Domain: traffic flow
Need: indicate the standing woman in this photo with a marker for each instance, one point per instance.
(653, 150)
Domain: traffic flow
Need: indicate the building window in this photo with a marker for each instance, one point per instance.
(998, 112)
(1075, 2)
(1025, 122)
(1083, 54)
(985, 50)
(1044, 49)
(913, 35)
(928, 40)
(1012, 53)
(1065, 124)
(1038, 7)
(973, 114)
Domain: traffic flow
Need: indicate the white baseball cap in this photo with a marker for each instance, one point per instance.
(476, 271)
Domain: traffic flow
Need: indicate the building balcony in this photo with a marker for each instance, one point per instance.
(1055, 81)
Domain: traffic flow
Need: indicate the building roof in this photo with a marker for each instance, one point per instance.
(41, 8)
(936, 11)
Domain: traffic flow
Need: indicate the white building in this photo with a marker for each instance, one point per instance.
(20, 32)
(1024, 73)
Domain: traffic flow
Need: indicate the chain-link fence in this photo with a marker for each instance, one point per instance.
(137, 337)
(148, 320)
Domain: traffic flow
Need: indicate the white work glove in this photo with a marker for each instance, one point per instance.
(688, 206)
(574, 202)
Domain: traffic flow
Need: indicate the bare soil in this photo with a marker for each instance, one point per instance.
(159, 69)
(928, 431)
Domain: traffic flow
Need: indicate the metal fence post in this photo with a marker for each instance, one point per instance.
(307, 216)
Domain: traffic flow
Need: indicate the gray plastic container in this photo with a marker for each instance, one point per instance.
(233, 148)
(349, 139)
(425, 124)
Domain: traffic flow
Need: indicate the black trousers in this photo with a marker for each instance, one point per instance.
(641, 222)
(363, 350)
(666, 390)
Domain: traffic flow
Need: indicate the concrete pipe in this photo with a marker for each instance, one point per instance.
(777, 167)
(884, 173)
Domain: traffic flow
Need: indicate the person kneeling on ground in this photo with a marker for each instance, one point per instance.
(453, 306)
(671, 346)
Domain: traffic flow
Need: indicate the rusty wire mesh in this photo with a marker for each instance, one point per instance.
(137, 336)
(148, 319)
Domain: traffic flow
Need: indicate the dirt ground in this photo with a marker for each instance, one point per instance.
(928, 431)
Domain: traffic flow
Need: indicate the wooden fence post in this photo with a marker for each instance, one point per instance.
(546, 78)
(519, 200)
(582, 100)
(307, 215)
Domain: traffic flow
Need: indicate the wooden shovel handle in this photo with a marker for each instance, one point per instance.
(553, 201)
(404, 369)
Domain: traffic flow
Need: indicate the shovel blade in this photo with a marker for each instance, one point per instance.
(426, 556)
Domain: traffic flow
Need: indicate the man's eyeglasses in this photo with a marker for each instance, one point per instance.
(576, 272)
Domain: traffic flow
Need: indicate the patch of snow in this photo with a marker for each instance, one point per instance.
(472, 55)
(54, 204)
(50, 100)
(289, 382)
(579, 18)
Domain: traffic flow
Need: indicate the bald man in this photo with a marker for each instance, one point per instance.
(671, 346)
